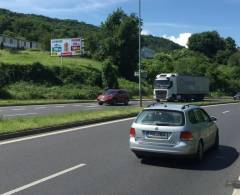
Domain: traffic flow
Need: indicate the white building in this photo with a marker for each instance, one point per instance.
(17, 43)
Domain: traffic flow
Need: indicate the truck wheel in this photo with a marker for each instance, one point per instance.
(114, 102)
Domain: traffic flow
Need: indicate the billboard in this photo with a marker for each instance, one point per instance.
(67, 47)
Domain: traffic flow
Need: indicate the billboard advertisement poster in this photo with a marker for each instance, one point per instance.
(66, 47)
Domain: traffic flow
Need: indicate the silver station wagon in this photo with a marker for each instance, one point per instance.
(173, 129)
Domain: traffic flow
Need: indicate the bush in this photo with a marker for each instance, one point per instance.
(133, 87)
(40, 74)
(24, 90)
(109, 75)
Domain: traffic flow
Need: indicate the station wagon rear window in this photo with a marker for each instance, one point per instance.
(161, 118)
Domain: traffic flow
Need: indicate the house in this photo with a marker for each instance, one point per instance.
(17, 43)
(147, 52)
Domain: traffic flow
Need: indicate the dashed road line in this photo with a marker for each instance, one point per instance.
(40, 108)
(25, 114)
(50, 177)
(78, 105)
(59, 106)
(236, 191)
(95, 106)
(225, 112)
(18, 109)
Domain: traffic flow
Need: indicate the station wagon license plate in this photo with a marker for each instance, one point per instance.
(157, 135)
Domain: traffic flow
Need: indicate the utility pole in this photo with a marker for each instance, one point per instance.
(139, 60)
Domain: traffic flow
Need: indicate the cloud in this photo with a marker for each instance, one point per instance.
(167, 24)
(145, 32)
(182, 39)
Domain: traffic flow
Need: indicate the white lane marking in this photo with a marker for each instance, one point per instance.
(25, 114)
(92, 106)
(63, 131)
(19, 189)
(78, 105)
(216, 105)
(59, 106)
(40, 108)
(18, 109)
(236, 191)
(225, 112)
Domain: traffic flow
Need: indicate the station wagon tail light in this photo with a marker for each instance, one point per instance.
(132, 132)
(186, 136)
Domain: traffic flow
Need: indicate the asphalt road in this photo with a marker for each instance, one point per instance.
(40, 110)
(96, 160)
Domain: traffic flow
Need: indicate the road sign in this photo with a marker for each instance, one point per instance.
(143, 74)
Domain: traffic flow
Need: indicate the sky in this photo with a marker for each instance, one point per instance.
(172, 19)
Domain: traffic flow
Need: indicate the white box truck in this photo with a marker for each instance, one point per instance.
(172, 86)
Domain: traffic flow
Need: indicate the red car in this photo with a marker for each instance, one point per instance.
(113, 97)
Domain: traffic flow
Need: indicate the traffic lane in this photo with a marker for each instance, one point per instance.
(26, 161)
(112, 168)
(40, 110)
(218, 110)
(121, 173)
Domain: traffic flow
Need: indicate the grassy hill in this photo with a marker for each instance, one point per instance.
(28, 75)
(28, 57)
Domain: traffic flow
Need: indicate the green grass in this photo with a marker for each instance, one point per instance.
(40, 102)
(20, 124)
(28, 57)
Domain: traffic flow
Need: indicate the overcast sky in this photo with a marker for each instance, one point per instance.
(172, 19)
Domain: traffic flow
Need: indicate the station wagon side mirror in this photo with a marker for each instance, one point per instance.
(213, 118)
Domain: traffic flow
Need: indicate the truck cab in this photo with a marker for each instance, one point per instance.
(164, 87)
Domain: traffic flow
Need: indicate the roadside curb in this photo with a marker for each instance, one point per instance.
(35, 131)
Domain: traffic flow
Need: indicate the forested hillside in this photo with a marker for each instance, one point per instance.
(159, 43)
(42, 29)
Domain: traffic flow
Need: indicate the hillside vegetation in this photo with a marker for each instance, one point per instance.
(208, 54)
(28, 57)
(42, 29)
(112, 59)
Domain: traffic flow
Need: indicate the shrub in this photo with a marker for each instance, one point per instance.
(133, 87)
(24, 90)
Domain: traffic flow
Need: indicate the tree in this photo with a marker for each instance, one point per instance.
(109, 75)
(230, 45)
(120, 42)
(208, 43)
(234, 59)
